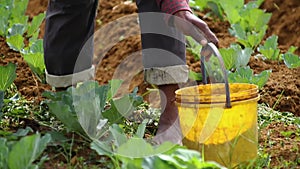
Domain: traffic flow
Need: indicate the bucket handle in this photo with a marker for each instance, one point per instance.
(207, 51)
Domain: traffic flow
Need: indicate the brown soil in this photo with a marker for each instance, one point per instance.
(280, 146)
(281, 92)
(27, 84)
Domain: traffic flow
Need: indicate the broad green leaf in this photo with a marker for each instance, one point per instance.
(243, 56)
(255, 19)
(64, 113)
(292, 49)
(216, 8)
(23, 132)
(139, 148)
(253, 4)
(27, 150)
(34, 37)
(35, 24)
(122, 107)
(118, 134)
(112, 114)
(173, 162)
(195, 76)
(21, 19)
(5, 11)
(3, 26)
(4, 151)
(245, 75)
(193, 47)
(186, 155)
(229, 57)
(231, 9)
(136, 148)
(36, 64)
(237, 31)
(102, 148)
(34, 56)
(1, 102)
(179, 158)
(141, 129)
(261, 79)
(15, 42)
(198, 4)
(37, 46)
(89, 115)
(57, 136)
(89, 100)
(155, 162)
(19, 8)
(270, 48)
(291, 60)
(241, 75)
(8, 75)
(114, 84)
(16, 29)
(235, 57)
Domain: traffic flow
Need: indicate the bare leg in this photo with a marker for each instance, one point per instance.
(169, 125)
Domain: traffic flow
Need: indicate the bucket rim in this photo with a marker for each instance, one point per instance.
(251, 91)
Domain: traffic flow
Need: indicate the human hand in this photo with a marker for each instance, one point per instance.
(193, 26)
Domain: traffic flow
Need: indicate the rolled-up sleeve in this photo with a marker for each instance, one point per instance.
(173, 6)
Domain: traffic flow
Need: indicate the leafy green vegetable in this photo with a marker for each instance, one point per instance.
(35, 59)
(235, 57)
(27, 150)
(270, 48)
(245, 75)
(248, 23)
(114, 84)
(198, 4)
(177, 157)
(81, 109)
(5, 10)
(89, 100)
(14, 24)
(194, 47)
(141, 129)
(23, 153)
(4, 151)
(248, 39)
(8, 75)
(65, 114)
(214, 5)
(291, 60)
(16, 42)
(18, 12)
(16, 29)
(35, 24)
(195, 76)
(232, 9)
(122, 107)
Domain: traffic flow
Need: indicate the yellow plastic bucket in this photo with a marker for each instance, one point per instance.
(225, 135)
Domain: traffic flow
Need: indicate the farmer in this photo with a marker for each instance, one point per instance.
(70, 23)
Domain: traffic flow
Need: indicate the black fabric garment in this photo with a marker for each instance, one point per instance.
(161, 48)
(69, 24)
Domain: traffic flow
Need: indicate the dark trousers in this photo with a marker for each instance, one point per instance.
(70, 23)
